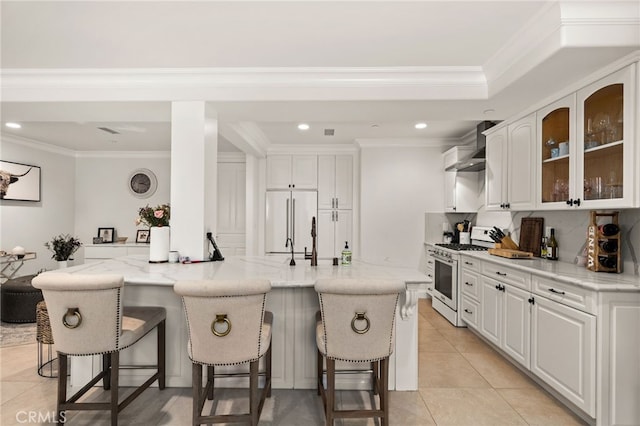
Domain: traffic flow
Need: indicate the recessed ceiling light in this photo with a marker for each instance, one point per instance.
(421, 125)
(13, 125)
(303, 126)
(375, 126)
(489, 111)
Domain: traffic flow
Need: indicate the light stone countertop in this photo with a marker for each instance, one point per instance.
(565, 272)
(137, 270)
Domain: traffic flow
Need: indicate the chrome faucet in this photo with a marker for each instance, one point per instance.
(286, 244)
(314, 250)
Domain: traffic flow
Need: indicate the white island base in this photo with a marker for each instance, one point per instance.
(292, 300)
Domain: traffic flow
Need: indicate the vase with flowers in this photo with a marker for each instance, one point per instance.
(63, 247)
(157, 219)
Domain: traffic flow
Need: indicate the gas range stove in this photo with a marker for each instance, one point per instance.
(480, 241)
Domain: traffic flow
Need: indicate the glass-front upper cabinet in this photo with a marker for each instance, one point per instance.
(605, 140)
(556, 154)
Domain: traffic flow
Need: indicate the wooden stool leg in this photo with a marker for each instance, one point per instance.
(162, 362)
(106, 365)
(210, 381)
(319, 369)
(375, 377)
(331, 391)
(253, 392)
(384, 392)
(196, 391)
(62, 386)
(115, 366)
(268, 371)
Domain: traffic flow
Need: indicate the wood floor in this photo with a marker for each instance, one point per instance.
(462, 381)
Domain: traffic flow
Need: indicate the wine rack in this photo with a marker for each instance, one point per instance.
(596, 237)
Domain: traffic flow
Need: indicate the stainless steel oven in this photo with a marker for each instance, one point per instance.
(445, 278)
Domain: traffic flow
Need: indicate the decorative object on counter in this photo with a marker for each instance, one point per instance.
(106, 234)
(63, 247)
(18, 251)
(174, 256)
(121, 240)
(97, 240)
(543, 248)
(157, 219)
(346, 254)
(142, 236)
(552, 246)
(19, 182)
(506, 247)
(603, 243)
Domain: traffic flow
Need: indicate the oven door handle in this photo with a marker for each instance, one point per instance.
(443, 260)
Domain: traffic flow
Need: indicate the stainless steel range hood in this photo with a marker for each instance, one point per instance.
(476, 161)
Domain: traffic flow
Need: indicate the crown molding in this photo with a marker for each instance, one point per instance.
(243, 84)
(312, 149)
(407, 143)
(123, 154)
(34, 144)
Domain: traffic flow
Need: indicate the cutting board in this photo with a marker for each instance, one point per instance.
(511, 254)
(531, 231)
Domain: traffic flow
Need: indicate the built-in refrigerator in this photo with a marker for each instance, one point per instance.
(289, 215)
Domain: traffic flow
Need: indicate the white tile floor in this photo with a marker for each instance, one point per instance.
(462, 381)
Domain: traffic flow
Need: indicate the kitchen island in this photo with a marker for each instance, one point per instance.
(292, 300)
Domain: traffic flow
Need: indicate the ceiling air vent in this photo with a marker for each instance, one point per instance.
(108, 130)
(329, 132)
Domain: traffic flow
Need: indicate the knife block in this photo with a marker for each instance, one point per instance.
(593, 244)
(507, 243)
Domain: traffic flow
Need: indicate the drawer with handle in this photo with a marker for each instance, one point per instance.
(507, 275)
(567, 294)
(469, 284)
(470, 311)
(470, 263)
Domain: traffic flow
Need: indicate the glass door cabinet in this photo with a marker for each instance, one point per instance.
(585, 146)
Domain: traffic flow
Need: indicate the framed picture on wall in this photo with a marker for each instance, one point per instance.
(19, 182)
(106, 234)
(142, 236)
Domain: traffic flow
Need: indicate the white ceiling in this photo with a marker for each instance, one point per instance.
(440, 39)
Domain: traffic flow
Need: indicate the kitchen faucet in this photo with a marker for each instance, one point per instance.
(286, 244)
(314, 250)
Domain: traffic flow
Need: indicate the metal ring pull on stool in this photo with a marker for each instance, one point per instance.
(360, 316)
(74, 312)
(223, 319)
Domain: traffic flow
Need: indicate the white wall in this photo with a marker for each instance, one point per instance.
(31, 224)
(398, 184)
(103, 199)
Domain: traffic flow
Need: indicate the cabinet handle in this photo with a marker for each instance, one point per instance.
(430, 276)
(498, 287)
(532, 301)
(468, 263)
(577, 201)
(502, 274)
(333, 203)
(570, 202)
(468, 311)
(469, 284)
(553, 290)
(507, 206)
(336, 203)
(502, 288)
(502, 205)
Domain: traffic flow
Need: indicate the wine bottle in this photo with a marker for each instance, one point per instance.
(609, 229)
(543, 248)
(552, 246)
(609, 246)
(608, 261)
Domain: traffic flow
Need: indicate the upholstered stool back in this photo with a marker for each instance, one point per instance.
(226, 320)
(357, 318)
(85, 311)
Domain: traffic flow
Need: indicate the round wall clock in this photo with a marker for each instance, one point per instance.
(142, 183)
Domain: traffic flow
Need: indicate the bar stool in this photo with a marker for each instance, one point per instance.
(228, 325)
(87, 318)
(356, 324)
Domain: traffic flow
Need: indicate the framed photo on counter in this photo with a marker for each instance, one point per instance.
(142, 236)
(106, 234)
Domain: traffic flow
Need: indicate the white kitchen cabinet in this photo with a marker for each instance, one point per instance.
(461, 192)
(292, 172)
(563, 348)
(334, 228)
(505, 317)
(97, 252)
(231, 218)
(429, 269)
(510, 169)
(335, 182)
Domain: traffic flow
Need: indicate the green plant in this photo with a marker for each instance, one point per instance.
(154, 216)
(63, 246)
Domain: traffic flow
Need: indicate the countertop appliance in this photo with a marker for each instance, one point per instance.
(446, 270)
(288, 218)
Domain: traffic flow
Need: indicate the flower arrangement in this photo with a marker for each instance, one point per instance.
(154, 216)
(63, 246)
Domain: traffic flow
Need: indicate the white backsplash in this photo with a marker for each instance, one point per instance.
(570, 230)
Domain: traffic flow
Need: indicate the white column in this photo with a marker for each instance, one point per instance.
(194, 160)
